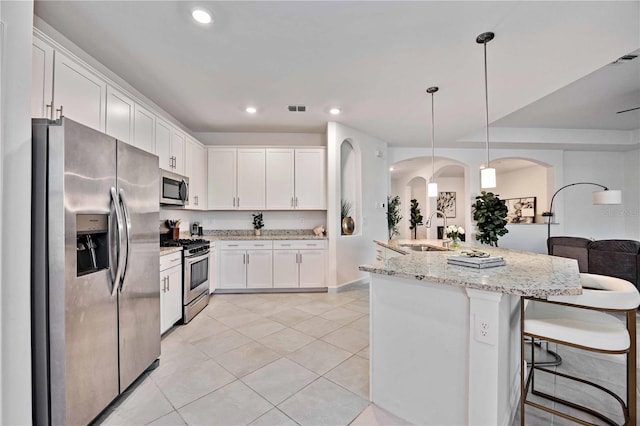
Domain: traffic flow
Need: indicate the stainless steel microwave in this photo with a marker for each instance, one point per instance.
(174, 189)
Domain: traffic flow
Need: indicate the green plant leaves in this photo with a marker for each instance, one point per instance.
(490, 213)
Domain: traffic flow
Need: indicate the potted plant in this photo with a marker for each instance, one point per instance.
(415, 217)
(258, 223)
(393, 215)
(348, 225)
(490, 213)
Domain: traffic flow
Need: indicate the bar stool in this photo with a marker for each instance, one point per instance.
(583, 322)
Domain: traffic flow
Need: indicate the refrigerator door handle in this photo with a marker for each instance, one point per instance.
(127, 219)
(116, 207)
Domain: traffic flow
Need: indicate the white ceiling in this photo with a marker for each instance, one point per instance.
(591, 102)
(375, 59)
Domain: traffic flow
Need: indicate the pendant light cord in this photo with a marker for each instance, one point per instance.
(433, 149)
(486, 100)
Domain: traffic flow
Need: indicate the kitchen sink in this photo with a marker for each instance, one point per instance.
(423, 247)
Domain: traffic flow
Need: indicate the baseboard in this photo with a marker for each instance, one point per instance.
(345, 286)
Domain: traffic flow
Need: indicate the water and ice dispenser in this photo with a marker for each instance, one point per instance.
(92, 241)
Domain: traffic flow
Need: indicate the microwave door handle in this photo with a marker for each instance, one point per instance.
(118, 273)
(184, 191)
(127, 219)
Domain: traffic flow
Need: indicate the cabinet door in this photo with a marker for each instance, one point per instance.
(120, 112)
(178, 141)
(251, 179)
(259, 268)
(170, 297)
(279, 179)
(221, 178)
(80, 93)
(189, 161)
(41, 79)
(312, 268)
(310, 177)
(232, 269)
(285, 268)
(163, 144)
(200, 175)
(144, 132)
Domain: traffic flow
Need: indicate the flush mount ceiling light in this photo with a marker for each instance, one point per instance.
(432, 187)
(250, 110)
(487, 174)
(201, 16)
(335, 111)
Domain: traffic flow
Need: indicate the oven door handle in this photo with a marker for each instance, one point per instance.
(127, 219)
(116, 277)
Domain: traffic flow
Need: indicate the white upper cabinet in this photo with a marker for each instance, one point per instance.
(78, 93)
(120, 115)
(196, 170)
(310, 179)
(221, 178)
(170, 147)
(236, 179)
(178, 142)
(144, 129)
(280, 189)
(296, 179)
(41, 79)
(163, 144)
(251, 179)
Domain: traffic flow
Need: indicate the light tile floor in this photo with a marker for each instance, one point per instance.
(293, 358)
(260, 359)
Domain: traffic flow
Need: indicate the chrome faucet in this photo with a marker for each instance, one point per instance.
(428, 225)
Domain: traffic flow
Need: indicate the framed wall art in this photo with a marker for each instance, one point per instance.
(446, 203)
(521, 210)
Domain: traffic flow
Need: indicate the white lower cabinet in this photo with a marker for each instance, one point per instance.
(298, 263)
(245, 264)
(170, 290)
(212, 269)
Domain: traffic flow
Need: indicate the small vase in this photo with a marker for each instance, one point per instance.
(258, 232)
(348, 226)
(455, 242)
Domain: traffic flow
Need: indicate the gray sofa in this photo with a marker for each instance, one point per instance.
(615, 258)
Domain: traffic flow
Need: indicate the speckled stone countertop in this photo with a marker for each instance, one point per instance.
(525, 274)
(169, 250)
(267, 234)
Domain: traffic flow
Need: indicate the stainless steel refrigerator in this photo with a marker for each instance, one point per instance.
(95, 269)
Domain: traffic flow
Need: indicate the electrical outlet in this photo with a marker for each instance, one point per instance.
(483, 330)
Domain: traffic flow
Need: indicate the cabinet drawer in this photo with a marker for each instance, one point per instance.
(247, 245)
(300, 244)
(170, 260)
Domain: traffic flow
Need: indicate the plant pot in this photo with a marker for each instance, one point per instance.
(258, 232)
(348, 226)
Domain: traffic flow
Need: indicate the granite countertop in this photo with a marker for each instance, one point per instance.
(270, 234)
(169, 250)
(525, 274)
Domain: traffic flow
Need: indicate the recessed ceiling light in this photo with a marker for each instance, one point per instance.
(251, 110)
(391, 169)
(335, 111)
(201, 16)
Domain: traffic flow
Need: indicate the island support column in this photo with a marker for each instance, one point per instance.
(493, 367)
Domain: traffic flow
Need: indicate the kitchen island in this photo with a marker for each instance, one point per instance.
(445, 339)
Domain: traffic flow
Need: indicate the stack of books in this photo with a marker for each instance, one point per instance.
(477, 262)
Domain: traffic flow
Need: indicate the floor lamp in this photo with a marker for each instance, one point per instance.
(606, 196)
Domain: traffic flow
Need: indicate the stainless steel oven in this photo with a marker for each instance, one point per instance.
(195, 280)
(174, 189)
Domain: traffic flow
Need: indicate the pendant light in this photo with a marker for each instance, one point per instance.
(432, 187)
(487, 174)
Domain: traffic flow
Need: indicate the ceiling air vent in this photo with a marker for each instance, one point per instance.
(297, 108)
